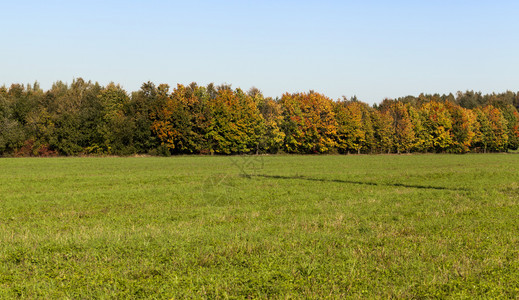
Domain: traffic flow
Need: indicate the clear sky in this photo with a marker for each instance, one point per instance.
(372, 49)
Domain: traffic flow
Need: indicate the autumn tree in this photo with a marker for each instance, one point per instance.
(492, 131)
(308, 123)
(384, 134)
(350, 134)
(183, 121)
(463, 125)
(368, 127)
(423, 139)
(236, 124)
(512, 129)
(404, 135)
(438, 123)
(273, 136)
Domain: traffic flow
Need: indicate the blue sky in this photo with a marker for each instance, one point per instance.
(372, 49)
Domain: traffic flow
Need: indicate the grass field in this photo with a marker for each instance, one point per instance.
(409, 226)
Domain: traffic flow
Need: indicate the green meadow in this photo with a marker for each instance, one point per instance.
(352, 226)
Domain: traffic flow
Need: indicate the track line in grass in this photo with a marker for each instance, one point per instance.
(416, 186)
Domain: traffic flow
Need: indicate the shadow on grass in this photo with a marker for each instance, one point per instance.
(415, 186)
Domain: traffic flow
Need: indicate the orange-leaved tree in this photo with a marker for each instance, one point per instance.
(403, 129)
(463, 126)
(308, 123)
(493, 129)
(384, 133)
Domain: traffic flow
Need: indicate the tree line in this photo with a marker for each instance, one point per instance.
(85, 118)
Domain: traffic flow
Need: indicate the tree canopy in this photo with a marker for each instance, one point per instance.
(85, 118)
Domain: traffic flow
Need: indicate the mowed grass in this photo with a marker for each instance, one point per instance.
(408, 226)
